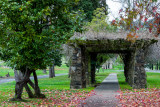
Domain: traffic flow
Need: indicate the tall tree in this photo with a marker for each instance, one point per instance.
(29, 31)
(88, 6)
(56, 62)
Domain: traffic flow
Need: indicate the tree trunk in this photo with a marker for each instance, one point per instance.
(51, 71)
(152, 66)
(98, 70)
(69, 74)
(44, 71)
(21, 81)
(22, 78)
(157, 66)
(36, 87)
(30, 94)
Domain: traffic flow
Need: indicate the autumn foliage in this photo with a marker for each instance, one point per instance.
(139, 17)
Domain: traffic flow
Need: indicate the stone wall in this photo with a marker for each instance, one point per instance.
(140, 73)
(76, 69)
(134, 69)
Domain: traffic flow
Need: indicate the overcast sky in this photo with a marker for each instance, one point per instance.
(114, 8)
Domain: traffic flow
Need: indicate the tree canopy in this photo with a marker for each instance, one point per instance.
(30, 30)
(88, 6)
(30, 33)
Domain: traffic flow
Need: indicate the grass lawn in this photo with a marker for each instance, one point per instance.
(58, 70)
(57, 91)
(153, 80)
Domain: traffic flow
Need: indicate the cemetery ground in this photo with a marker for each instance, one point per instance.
(58, 93)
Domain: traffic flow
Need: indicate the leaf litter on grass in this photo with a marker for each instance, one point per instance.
(54, 98)
(139, 98)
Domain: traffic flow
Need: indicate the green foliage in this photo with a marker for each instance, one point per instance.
(57, 57)
(31, 31)
(88, 6)
(119, 60)
(102, 58)
(99, 21)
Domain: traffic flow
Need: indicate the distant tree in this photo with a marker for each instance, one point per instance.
(29, 32)
(99, 22)
(56, 62)
(88, 6)
(152, 55)
(102, 58)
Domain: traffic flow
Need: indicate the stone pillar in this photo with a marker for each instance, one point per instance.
(125, 58)
(131, 68)
(84, 66)
(93, 67)
(87, 68)
(139, 74)
(76, 71)
(129, 65)
(134, 69)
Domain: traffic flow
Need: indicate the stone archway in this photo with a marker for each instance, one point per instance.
(83, 70)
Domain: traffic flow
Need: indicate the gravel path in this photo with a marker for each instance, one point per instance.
(42, 76)
(105, 94)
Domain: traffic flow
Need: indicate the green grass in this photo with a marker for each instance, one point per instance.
(56, 83)
(63, 82)
(101, 76)
(58, 70)
(4, 71)
(121, 79)
(153, 80)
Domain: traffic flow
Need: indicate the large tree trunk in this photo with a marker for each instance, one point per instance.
(22, 78)
(51, 71)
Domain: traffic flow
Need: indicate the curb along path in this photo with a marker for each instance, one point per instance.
(42, 76)
(105, 93)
